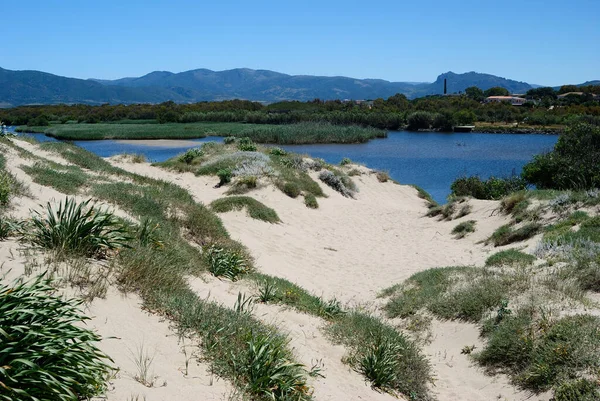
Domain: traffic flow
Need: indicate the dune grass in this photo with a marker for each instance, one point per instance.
(9, 185)
(254, 208)
(66, 179)
(541, 353)
(464, 228)
(506, 234)
(510, 257)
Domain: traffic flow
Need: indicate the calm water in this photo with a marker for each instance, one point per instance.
(430, 160)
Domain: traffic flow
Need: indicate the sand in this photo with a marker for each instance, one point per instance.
(350, 249)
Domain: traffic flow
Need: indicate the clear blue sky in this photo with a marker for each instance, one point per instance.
(548, 42)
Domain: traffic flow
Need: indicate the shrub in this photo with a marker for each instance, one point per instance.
(336, 183)
(229, 140)
(190, 154)
(462, 229)
(510, 257)
(572, 164)
(311, 201)
(510, 202)
(380, 364)
(46, 353)
(492, 188)
(464, 210)
(226, 263)
(345, 161)
(382, 176)
(291, 189)
(77, 228)
(224, 176)
(277, 152)
(246, 145)
(5, 188)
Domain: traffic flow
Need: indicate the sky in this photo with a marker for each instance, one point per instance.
(545, 42)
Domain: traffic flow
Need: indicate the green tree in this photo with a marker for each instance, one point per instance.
(541, 93)
(473, 92)
(464, 117)
(496, 91)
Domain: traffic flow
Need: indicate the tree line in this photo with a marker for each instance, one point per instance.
(543, 108)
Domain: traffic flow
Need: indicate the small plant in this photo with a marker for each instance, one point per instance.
(244, 305)
(382, 176)
(291, 189)
(147, 235)
(345, 161)
(270, 371)
(467, 349)
(246, 145)
(225, 263)
(255, 209)
(434, 211)
(503, 311)
(464, 228)
(311, 201)
(464, 210)
(380, 364)
(336, 183)
(507, 235)
(448, 210)
(354, 172)
(267, 292)
(77, 228)
(224, 177)
(138, 158)
(143, 362)
(9, 227)
(46, 352)
(277, 152)
(190, 154)
(317, 368)
(331, 308)
(228, 140)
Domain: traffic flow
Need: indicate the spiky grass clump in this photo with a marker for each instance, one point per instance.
(345, 161)
(77, 228)
(270, 370)
(382, 176)
(227, 263)
(464, 228)
(45, 352)
(255, 209)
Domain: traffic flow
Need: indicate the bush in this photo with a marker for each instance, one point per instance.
(572, 164)
(277, 152)
(74, 228)
(336, 182)
(506, 235)
(46, 354)
(229, 140)
(224, 176)
(493, 188)
(246, 145)
(291, 189)
(382, 176)
(345, 161)
(190, 154)
(311, 201)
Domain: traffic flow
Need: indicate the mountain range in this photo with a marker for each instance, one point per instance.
(36, 87)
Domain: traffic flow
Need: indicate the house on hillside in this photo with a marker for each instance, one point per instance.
(514, 100)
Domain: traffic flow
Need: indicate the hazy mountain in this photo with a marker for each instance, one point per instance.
(34, 87)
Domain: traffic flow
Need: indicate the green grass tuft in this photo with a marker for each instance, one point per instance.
(510, 257)
(462, 229)
(255, 209)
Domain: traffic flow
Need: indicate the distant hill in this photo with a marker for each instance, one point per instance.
(35, 87)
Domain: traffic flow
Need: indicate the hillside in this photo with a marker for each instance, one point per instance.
(35, 87)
